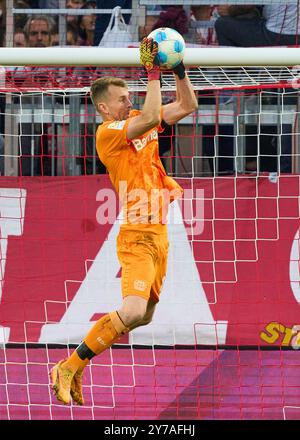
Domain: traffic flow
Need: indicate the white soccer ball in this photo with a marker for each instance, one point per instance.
(171, 47)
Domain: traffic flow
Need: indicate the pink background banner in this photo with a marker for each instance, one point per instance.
(246, 254)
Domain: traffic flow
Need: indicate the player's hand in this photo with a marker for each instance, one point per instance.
(148, 52)
(179, 70)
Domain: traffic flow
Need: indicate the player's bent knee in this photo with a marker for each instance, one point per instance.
(132, 313)
(133, 317)
(146, 320)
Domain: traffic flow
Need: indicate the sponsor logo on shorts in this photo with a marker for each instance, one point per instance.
(140, 285)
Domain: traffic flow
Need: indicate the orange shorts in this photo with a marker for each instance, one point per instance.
(143, 257)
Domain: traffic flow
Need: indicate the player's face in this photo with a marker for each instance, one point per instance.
(39, 34)
(118, 103)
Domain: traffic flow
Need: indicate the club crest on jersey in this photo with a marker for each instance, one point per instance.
(139, 144)
(117, 125)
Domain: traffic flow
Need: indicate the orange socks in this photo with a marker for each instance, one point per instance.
(105, 332)
(102, 335)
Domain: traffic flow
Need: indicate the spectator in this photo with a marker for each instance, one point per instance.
(175, 18)
(72, 35)
(73, 4)
(19, 38)
(243, 26)
(202, 25)
(38, 31)
(86, 25)
(20, 19)
(55, 37)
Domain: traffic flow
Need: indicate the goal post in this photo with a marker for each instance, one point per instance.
(99, 56)
(209, 68)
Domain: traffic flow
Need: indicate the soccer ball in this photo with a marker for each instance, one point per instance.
(171, 47)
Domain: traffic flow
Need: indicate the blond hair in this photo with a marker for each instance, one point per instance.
(99, 88)
(49, 20)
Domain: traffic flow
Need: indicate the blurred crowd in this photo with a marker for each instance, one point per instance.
(225, 25)
(229, 25)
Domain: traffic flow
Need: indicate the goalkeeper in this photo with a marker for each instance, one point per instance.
(127, 144)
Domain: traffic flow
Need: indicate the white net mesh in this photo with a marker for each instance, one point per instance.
(202, 78)
(233, 276)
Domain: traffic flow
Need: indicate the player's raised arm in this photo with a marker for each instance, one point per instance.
(186, 101)
(150, 116)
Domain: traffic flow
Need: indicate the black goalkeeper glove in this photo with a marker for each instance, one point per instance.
(179, 70)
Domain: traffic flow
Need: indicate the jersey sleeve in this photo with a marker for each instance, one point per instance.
(111, 137)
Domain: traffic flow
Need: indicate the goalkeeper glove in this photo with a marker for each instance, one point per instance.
(179, 70)
(148, 52)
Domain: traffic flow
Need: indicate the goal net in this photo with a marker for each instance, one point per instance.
(224, 339)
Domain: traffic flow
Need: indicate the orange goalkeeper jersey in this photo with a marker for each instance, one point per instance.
(137, 174)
